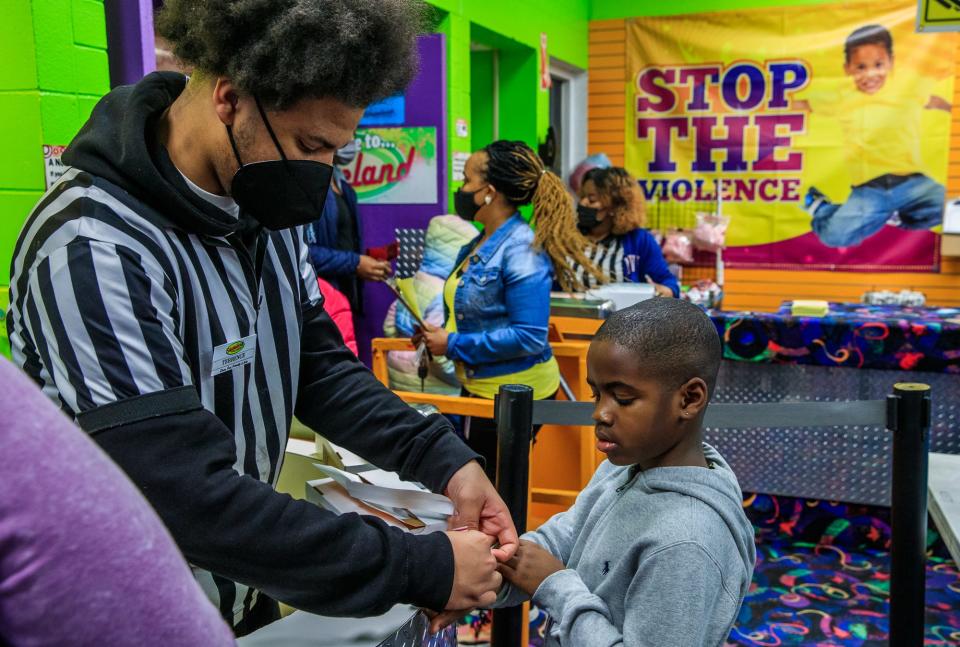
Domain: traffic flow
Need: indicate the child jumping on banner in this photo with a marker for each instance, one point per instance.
(880, 116)
(656, 550)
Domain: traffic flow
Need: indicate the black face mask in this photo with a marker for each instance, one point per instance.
(281, 193)
(587, 218)
(464, 205)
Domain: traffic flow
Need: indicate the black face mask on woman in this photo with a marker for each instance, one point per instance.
(281, 193)
(464, 205)
(587, 218)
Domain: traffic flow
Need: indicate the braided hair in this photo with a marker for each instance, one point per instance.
(620, 193)
(517, 172)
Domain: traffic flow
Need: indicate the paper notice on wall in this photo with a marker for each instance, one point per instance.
(546, 81)
(459, 163)
(52, 166)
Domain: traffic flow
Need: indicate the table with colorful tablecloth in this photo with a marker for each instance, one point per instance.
(852, 335)
(855, 352)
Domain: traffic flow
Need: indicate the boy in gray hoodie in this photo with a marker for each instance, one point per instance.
(657, 549)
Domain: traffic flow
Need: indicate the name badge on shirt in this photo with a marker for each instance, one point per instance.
(229, 356)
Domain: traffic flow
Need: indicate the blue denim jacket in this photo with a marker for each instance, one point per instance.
(502, 304)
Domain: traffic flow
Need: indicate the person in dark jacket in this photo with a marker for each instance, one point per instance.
(162, 296)
(611, 216)
(335, 240)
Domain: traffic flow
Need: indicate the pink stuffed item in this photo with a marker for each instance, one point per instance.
(678, 248)
(710, 234)
(337, 306)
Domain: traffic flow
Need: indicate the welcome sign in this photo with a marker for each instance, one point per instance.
(826, 132)
(395, 166)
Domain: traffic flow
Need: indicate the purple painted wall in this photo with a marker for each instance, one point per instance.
(426, 106)
(130, 45)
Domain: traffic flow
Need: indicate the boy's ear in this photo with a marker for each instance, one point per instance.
(694, 396)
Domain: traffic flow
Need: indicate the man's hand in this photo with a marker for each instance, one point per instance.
(440, 621)
(478, 506)
(370, 269)
(531, 566)
(475, 577)
(435, 339)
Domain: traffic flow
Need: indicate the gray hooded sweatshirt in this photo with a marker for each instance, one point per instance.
(661, 557)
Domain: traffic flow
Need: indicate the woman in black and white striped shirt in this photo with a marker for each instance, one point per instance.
(611, 216)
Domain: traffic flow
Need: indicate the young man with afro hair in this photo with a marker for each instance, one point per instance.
(162, 297)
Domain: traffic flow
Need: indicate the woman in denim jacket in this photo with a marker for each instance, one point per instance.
(497, 300)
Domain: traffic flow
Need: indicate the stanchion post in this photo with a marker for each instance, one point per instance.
(514, 412)
(908, 417)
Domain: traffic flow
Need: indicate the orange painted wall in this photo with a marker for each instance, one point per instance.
(760, 290)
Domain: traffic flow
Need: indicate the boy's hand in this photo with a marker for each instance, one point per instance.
(532, 565)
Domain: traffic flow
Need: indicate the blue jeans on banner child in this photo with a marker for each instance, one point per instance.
(906, 201)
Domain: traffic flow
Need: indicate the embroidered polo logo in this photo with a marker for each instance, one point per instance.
(606, 568)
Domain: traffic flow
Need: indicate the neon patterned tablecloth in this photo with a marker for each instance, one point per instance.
(850, 335)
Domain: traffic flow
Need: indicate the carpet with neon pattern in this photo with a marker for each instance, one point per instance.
(822, 578)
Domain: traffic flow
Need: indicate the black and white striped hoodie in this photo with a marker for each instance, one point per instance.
(183, 337)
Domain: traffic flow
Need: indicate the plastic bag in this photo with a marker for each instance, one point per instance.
(710, 234)
(678, 247)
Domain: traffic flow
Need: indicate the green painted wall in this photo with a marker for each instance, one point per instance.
(610, 9)
(513, 28)
(564, 21)
(54, 70)
(482, 108)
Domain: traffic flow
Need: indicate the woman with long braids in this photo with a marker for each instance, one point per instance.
(498, 297)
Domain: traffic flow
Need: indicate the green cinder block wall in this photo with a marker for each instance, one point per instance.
(513, 28)
(54, 70)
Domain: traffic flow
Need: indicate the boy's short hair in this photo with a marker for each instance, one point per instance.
(671, 340)
(868, 35)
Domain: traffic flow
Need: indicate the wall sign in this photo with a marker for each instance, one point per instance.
(938, 15)
(459, 163)
(391, 111)
(395, 166)
(546, 81)
(53, 168)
